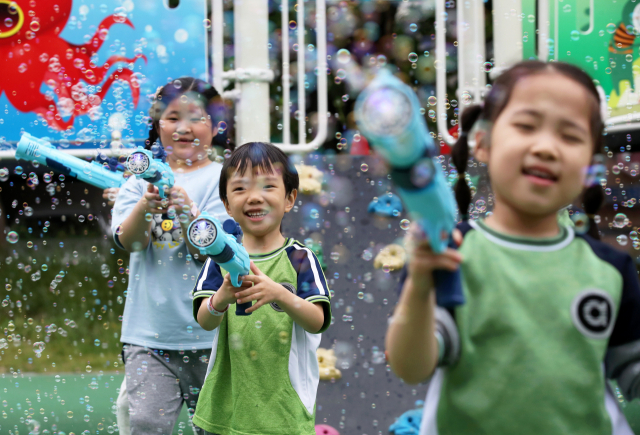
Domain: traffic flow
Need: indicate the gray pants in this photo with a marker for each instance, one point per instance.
(158, 383)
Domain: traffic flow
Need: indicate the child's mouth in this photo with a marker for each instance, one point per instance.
(256, 216)
(540, 177)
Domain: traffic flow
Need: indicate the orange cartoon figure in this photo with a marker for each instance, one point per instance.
(33, 53)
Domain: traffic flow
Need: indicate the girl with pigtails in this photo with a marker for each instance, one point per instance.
(550, 313)
(165, 351)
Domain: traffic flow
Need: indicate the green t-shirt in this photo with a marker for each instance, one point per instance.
(539, 319)
(263, 373)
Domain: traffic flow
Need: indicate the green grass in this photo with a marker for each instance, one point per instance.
(72, 309)
(67, 403)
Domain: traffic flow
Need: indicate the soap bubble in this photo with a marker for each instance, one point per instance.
(620, 220)
(413, 57)
(12, 237)
(18, 170)
(4, 174)
(405, 224)
(413, 27)
(364, 167)
(622, 240)
(575, 35)
(344, 56)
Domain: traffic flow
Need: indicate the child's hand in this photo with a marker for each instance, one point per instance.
(110, 194)
(153, 202)
(226, 294)
(264, 290)
(423, 261)
(179, 200)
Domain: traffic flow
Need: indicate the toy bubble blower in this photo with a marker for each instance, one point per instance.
(144, 165)
(222, 244)
(388, 115)
(42, 151)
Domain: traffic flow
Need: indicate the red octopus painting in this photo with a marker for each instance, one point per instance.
(32, 53)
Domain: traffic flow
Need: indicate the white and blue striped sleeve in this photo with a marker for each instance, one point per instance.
(208, 282)
(312, 284)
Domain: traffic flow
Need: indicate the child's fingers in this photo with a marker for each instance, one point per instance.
(255, 306)
(457, 237)
(251, 278)
(255, 269)
(245, 294)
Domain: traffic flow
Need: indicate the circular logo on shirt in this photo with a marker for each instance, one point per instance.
(592, 313)
(289, 287)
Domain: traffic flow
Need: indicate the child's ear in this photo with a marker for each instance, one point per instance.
(482, 149)
(290, 200)
(226, 206)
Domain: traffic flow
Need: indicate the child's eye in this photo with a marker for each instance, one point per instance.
(269, 186)
(238, 189)
(524, 127)
(571, 138)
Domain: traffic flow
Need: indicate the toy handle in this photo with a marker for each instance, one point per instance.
(240, 308)
(448, 286)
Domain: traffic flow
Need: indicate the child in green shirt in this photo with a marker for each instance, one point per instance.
(263, 372)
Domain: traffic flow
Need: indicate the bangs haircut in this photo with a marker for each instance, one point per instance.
(201, 92)
(262, 155)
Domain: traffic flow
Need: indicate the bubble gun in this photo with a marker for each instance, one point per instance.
(42, 151)
(388, 115)
(144, 165)
(221, 242)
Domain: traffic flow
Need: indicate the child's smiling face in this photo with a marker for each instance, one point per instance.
(257, 200)
(186, 128)
(540, 145)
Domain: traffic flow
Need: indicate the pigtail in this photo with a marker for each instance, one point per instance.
(592, 199)
(460, 158)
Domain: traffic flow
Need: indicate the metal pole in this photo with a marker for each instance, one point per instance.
(302, 102)
(251, 52)
(286, 110)
(441, 73)
(507, 34)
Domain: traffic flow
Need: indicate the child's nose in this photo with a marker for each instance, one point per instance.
(255, 196)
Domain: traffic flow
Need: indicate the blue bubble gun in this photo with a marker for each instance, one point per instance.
(222, 244)
(388, 115)
(144, 165)
(34, 149)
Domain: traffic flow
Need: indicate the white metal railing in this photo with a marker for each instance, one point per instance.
(321, 89)
(222, 78)
(471, 40)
